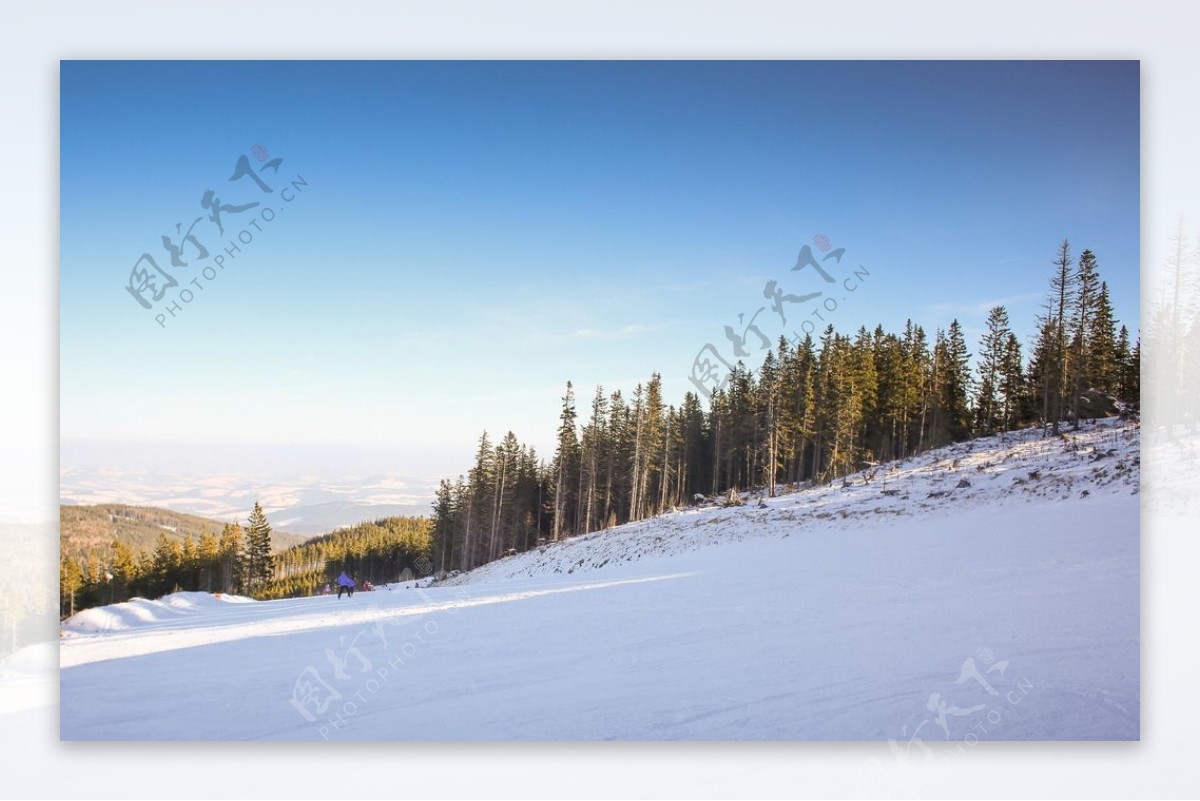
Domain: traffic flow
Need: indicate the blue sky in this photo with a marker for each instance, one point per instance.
(471, 235)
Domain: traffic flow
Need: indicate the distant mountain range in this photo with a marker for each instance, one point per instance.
(304, 505)
(90, 528)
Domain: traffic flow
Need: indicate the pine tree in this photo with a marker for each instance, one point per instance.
(1054, 350)
(1129, 370)
(1103, 345)
(504, 495)
(565, 464)
(719, 425)
(462, 518)
(808, 428)
(650, 450)
(958, 384)
(189, 566)
(164, 574)
(594, 443)
(443, 526)
(864, 375)
(479, 496)
(259, 564)
(209, 554)
(143, 582)
(742, 427)
(1012, 386)
(693, 443)
(618, 465)
(918, 370)
(796, 408)
(1135, 374)
(668, 469)
(993, 351)
(70, 582)
(1087, 291)
(123, 572)
(638, 425)
(827, 403)
(1042, 373)
(769, 383)
(232, 574)
(891, 422)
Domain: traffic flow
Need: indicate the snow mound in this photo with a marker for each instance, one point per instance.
(139, 612)
(191, 600)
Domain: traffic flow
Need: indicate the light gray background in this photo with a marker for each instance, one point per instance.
(35, 36)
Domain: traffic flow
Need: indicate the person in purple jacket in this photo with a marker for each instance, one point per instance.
(345, 584)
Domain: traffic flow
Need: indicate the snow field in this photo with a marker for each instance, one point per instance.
(1003, 609)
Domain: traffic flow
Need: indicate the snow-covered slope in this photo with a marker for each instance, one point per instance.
(983, 591)
(997, 472)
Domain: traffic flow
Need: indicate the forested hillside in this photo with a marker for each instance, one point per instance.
(380, 552)
(812, 411)
(84, 529)
(229, 558)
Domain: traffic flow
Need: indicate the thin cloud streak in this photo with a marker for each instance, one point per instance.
(983, 306)
(608, 335)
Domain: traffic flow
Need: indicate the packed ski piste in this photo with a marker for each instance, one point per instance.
(983, 591)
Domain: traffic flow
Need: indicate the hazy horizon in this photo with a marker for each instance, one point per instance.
(303, 489)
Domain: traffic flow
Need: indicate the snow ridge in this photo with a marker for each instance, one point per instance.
(141, 613)
(1102, 458)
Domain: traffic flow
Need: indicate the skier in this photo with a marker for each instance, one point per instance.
(345, 584)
